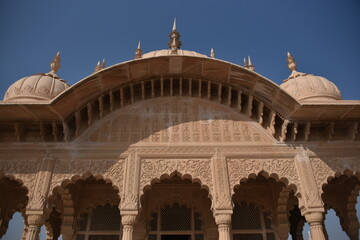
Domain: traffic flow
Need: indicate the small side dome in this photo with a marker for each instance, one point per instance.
(38, 86)
(308, 87)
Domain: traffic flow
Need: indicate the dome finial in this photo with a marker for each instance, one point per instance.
(174, 25)
(174, 43)
(292, 65)
(212, 53)
(55, 63)
(138, 51)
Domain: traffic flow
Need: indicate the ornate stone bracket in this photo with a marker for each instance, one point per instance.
(130, 194)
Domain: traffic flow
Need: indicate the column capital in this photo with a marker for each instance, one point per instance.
(129, 217)
(34, 219)
(223, 217)
(314, 217)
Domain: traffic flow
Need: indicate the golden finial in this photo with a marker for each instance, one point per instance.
(55, 63)
(292, 65)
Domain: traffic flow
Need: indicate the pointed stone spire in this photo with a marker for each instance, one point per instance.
(103, 64)
(212, 53)
(138, 51)
(174, 25)
(174, 43)
(250, 66)
(97, 67)
(292, 65)
(245, 63)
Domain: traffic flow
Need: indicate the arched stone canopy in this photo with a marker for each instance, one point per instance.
(13, 198)
(347, 187)
(226, 83)
(78, 195)
(182, 193)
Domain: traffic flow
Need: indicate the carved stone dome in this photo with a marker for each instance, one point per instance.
(36, 87)
(308, 87)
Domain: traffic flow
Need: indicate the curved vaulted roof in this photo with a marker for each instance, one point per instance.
(215, 70)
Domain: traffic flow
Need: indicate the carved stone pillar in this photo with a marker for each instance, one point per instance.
(311, 204)
(34, 224)
(316, 222)
(223, 220)
(128, 220)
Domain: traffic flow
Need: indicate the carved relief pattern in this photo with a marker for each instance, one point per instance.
(242, 168)
(325, 168)
(154, 168)
(66, 169)
(176, 121)
(24, 170)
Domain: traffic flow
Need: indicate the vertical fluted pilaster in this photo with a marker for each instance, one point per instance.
(128, 221)
(34, 224)
(315, 220)
(223, 221)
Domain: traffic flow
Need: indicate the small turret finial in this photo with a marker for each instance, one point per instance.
(250, 66)
(245, 63)
(55, 63)
(174, 43)
(212, 53)
(138, 51)
(292, 65)
(97, 67)
(103, 64)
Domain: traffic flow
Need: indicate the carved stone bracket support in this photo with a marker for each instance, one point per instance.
(130, 194)
(222, 193)
(39, 194)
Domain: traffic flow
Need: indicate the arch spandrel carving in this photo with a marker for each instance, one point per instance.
(280, 169)
(176, 120)
(109, 170)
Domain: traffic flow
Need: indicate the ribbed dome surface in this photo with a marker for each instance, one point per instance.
(167, 52)
(36, 87)
(307, 87)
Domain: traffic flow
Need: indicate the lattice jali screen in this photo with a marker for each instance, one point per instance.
(175, 220)
(101, 223)
(245, 216)
(250, 222)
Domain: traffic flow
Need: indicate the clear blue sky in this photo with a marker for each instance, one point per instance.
(323, 36)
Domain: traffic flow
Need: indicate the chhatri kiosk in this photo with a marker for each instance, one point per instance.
(176, 145)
